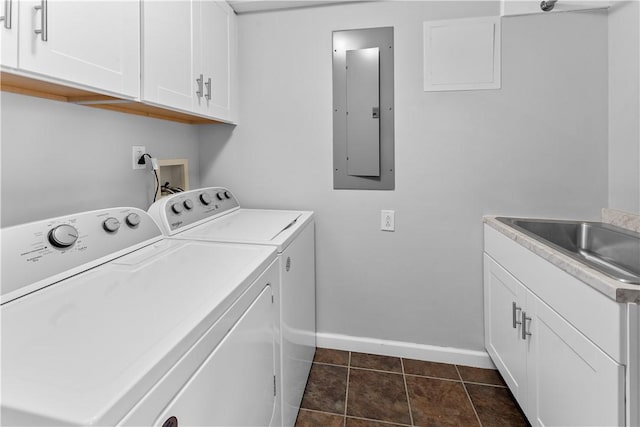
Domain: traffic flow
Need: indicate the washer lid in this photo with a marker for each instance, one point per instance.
(259, 226)
(84, 350)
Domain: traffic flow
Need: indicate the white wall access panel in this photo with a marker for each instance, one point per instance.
(462, 54)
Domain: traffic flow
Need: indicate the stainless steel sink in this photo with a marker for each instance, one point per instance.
(611, 250)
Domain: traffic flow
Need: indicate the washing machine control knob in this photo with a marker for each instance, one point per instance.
(220, 195)
(63, 236)
(188, 204)
(133, 220)
(177, 208)
(111, 225)
(227, 195)
(205, 198)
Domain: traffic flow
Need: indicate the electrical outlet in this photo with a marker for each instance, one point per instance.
(388, 220)
(136, 152)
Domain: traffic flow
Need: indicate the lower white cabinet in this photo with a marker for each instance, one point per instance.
(558, 375)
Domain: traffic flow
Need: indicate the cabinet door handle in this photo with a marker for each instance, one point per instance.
(514, 312)
(199, 81)
(525, 334)
(8, 4)
(44, 11)
(208, 85)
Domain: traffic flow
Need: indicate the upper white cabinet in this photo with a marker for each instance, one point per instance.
(167, 54)
(93, 43)
(189, 57)
(527, 7)
(9, 32)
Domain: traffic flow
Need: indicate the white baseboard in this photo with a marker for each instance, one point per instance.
(431, 353)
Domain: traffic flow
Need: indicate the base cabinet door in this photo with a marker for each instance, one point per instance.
(504, 300)
(571, 382)
(91, 42)
(558, 376)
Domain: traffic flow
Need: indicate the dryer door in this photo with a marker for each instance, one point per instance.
(235, 386)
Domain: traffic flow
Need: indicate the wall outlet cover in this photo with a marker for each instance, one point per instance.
(136, 152)
(387, 220)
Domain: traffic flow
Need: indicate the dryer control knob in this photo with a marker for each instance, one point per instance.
(220, 196)
(205, 198)
(63, 236)
(111, 225)
(227, 195)
(133, 220)
(188, 204)
(177, 208)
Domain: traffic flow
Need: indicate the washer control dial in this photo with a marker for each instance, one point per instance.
(205, 198)
(188, 204)
(111, 224)
(133, 220)
(63, 236)
(227, 195)
(220, 196)
(177, 208)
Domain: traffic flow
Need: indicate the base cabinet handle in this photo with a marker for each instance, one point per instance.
(525, 333)
(514, 313)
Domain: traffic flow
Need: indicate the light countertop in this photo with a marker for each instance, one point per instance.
(614, 289)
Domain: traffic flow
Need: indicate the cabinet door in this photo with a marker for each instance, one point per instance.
(90, 42)
(571, 382)
(9, 32)
(218, 50)
(168, 50)
(503, 327)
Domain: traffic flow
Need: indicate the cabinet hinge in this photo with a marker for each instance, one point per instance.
(274, 385)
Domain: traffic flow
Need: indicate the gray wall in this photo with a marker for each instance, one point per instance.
(537, 147)
(624, 106)
(61, 158)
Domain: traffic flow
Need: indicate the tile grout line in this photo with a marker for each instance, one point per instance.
(346, 394)
(377, 370)
(379, 421)
(406, 390)
(331, 364)
(469, 396)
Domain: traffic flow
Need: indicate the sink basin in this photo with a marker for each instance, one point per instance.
(611, 250)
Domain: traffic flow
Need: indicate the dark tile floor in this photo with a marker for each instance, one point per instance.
(347, 389)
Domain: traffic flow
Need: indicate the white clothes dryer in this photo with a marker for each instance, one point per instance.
(105, 322)
(214, 214)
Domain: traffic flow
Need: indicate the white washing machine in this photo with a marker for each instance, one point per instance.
(106, 322)
(214, 214)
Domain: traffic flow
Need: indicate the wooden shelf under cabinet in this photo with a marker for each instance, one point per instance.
(42, 89)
